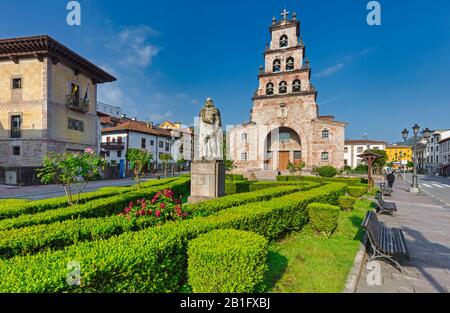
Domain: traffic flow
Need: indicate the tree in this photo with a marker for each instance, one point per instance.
(228, 163)
(71, 171)
(138, 158)
(165, 158)
(379, 163)
(410, 165)
(326, 171)
(180, 162)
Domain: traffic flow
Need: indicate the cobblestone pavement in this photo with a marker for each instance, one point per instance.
(426, 225)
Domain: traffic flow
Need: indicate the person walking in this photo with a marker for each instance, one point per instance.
(391, 179)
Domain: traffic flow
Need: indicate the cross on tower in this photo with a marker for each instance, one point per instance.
(285, 13)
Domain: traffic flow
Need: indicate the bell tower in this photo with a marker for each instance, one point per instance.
(286, 73)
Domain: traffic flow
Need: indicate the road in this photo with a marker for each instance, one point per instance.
(435, 186)
(51, 191)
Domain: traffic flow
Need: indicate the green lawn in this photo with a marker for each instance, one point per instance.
(304, 262)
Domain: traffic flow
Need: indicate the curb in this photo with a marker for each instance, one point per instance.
(355, 273)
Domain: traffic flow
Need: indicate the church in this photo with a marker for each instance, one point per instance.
(285, 124)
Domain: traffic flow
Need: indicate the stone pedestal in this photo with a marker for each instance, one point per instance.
(207, 180)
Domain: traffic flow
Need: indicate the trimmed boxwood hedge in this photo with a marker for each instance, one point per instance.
(155, 259)
(323, 217)
(351, 181)
(236, 186)
(233, 187)
(14, 209)
(235, 177)
(227, 260)
(347, 203)
(356, 191)
(28, 240)
(95, 208)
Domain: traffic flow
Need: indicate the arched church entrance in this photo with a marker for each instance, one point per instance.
(282, 145)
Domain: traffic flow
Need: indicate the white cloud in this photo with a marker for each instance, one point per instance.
(132, 43)
(330, 70)
(161, 117)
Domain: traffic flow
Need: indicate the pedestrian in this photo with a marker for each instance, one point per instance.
(391, 179)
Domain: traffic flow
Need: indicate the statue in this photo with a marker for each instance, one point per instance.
(210, 133)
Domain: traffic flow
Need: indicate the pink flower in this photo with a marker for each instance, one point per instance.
(89, 151)
(162, 205)
(158, 213)
(131, 205)
(185, 214)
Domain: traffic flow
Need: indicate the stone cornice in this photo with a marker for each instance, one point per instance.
(284, 73)
(291, 94)
(281, 50)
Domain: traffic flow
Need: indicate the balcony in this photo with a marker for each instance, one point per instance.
(78, 104)
(112, 145)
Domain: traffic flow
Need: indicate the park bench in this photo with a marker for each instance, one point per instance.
(385, 207)
(386, 243)
(387, 191)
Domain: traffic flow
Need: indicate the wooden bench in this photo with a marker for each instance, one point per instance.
(385, 207)
(387, 243)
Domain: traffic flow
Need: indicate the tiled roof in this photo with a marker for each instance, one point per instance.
(125, 124)
(362, 142)
(45, 46)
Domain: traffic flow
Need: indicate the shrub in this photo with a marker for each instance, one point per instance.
(15, 209)
(323, 217)
(327, 171)
(273, 184)
(96, 208)
(228, 260)
(236, 186)
(356, 191)
(234, 177)
(346, 203)
(155, 259)
(347, 180)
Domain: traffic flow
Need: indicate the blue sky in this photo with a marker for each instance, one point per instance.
(171, 55)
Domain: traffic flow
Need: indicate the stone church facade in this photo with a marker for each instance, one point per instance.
(285, 125)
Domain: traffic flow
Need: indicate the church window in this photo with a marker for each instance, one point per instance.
(244, 156)
(297, 155)
(283, 87)
(276, 65)
(244, 137)
(325, 134)
(283, 41)
(284, 136)
(297, 86)
(325, 156)
(290, 64)
(269, 89)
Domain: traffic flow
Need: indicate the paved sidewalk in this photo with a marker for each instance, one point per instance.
(426, 225)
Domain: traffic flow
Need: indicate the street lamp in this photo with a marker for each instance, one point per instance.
(426, 134)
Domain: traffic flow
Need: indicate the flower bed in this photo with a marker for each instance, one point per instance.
(96, 208)
(9, 209)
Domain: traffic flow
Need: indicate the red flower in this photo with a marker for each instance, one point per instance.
(149, 212)
(131, 204)
(162, 205)
(158, 213)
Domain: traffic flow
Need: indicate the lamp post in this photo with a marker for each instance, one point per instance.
(426, 134)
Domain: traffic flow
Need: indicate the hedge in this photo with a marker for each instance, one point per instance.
(96, 208)
(232, 187)
(155, 259)
(236, 186)
(323, 217)
(356, 191)
(212, 206)
(36, 206)
(235, 177)
(28, 240)
(348, 180)
(227, 261)
(347, 203)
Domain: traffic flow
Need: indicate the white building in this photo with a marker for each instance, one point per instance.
(444, 151)
(434, 161)
(183, 146)
(353, 148)
(105, 110)
(121, 134)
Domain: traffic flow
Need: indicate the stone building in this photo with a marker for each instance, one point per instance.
(285, 124)
(48, 97)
